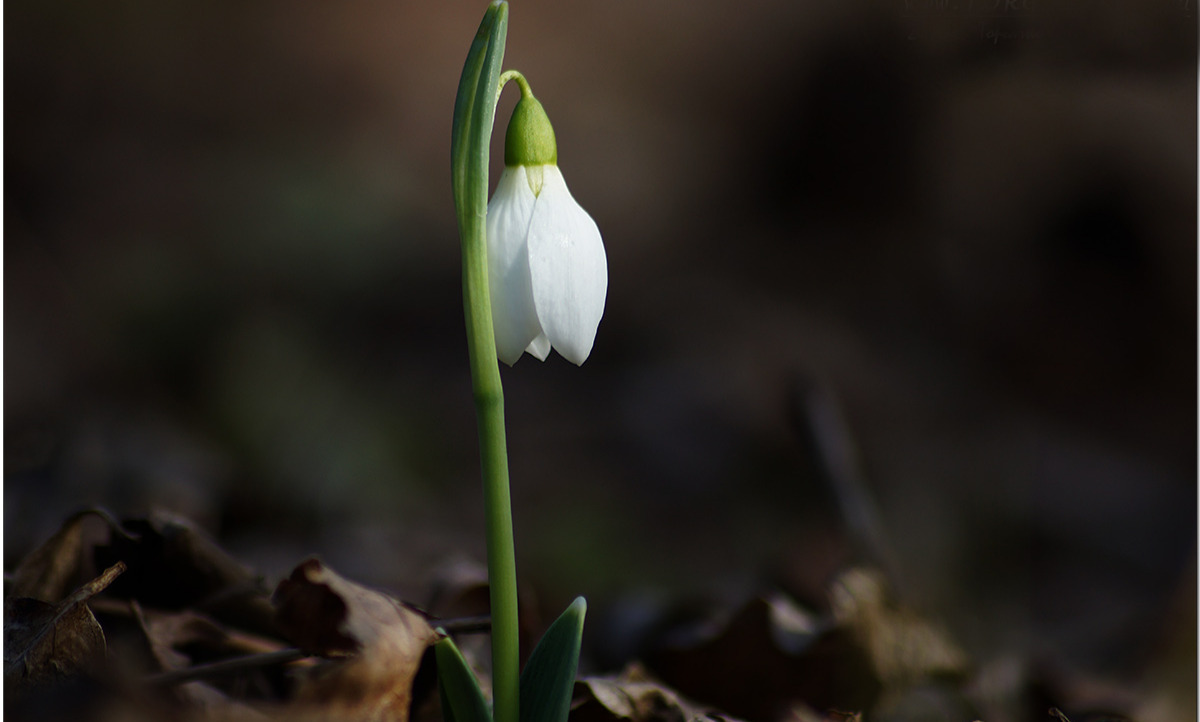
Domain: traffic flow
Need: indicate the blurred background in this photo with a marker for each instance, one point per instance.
(944, 253)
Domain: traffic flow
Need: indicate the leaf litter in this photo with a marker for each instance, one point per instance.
(375, 644)
(174, 627)
(44, 643)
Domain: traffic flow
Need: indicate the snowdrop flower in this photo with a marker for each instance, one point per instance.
(547, 273)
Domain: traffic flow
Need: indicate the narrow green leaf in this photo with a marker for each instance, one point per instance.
(474, 116)
(464, 104)
(474, 113)
(549, 676)
(462, 700)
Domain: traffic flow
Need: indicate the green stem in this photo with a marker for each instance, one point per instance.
(507, 75)
(501, 553)
(474, 114)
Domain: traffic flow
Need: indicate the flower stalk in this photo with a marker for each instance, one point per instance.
(474, 115)
(534, 278)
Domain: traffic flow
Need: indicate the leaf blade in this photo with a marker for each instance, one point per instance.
(472, 118)
(548, 679)
(462, 699)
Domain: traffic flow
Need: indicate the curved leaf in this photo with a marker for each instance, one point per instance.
(482, 68)
(549, 677)
(462, 699)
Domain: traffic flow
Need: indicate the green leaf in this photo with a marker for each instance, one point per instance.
(549, 677)
(470, 139)
(474, 114)
(462, 700)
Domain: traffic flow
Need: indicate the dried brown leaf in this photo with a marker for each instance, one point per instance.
(801, 712)
(46, 572)
(904, 648)
(50, 571)
(44, 643)
(377, 641)
(766, 657)
(634, 695)
(774, 660)
(169, 634)
(186, 646)
(174, 565)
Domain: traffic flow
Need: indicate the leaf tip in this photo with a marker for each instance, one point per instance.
(579, 606)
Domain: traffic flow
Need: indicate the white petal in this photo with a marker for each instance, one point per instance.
(539, 348)
(514, 319)
(568, 270)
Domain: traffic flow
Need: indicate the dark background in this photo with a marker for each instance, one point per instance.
(232, 291)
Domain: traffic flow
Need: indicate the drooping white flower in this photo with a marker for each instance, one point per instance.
(547, 272)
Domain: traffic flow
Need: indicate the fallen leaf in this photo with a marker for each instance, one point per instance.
(181, 639)
(46, 572)
(174, 565)
(763, 659)
(903, 647)
(50, 570)
(185, 648)
(376, 643)
(44, 643)
(633, 695)
(801, 712)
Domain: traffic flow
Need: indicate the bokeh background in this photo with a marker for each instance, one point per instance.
(943, 253)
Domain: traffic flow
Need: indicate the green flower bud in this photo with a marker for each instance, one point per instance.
(530, 137)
